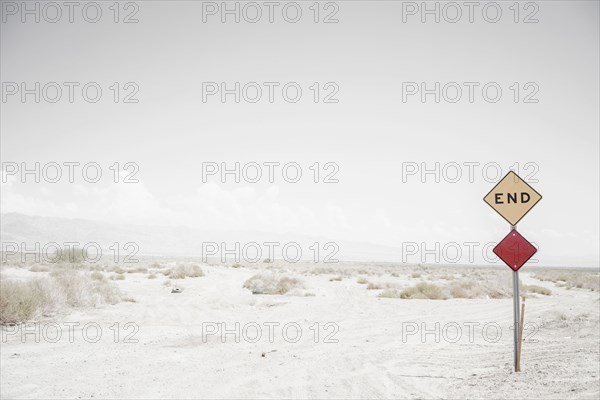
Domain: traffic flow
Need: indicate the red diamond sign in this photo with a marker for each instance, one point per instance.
(514, 250)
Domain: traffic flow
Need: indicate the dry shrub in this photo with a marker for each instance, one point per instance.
(97, 276)
(118, 277)
(336, 278)
(390, 293)
(24, 301)
(457, 291)
(186, 271)
(272, 284)
(343, 273)
(374, 286)
(152, 276)
(468, 289)
(537, 289)
(589, 280)
(362, 280)
(140, 270)
(118, 270)
(485, 285)
(423, 291)
(580, 324)
(490, 288)
(323, 271)
(415, 275)
(73, 255)
(39, 268)
(80, 290)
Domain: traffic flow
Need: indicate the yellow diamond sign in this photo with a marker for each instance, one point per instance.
(512, 198)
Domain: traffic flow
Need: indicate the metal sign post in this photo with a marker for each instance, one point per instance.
(512, 198)
(517, 318)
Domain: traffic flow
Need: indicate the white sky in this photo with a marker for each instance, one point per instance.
(369, 133)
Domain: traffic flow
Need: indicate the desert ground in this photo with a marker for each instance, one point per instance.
(179, 328)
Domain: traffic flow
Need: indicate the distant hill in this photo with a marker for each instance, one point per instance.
(168, 240)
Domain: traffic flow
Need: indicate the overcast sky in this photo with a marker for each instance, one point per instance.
(367, 57)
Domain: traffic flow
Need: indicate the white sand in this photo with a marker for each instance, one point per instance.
(369, 360)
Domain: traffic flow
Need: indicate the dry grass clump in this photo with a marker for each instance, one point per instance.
(581, 325)
(487, 285)
(39, 268)
(415, 275)
(337, 270)
(272, 284)
(152, 276)
(447, 277)
(589, 280)
(186, 271)
(471, 289)
(98, 276)
(118, 270)
(423, 290)
(382, 285)
(118, 277)
(537, 289)
(71, 256)
(24, 301)
(362, 280)
(80, 290)
(390, 294)
(323, 271)
(140, 270)
(336, 278)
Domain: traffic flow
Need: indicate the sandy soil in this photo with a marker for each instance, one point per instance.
(363, 348)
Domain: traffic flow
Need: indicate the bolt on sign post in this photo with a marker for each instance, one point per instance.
(512, 198)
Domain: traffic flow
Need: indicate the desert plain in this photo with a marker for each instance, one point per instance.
(180, 328)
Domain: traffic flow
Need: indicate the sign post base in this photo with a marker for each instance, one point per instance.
(517, 319)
